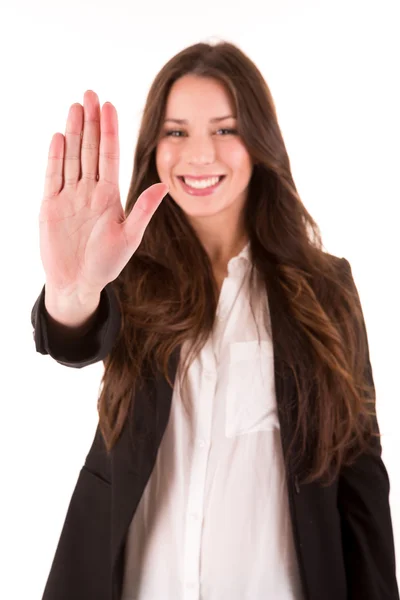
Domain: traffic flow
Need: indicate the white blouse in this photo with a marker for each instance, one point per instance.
(213, 522)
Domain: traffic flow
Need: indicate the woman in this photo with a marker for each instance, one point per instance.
(237, 453)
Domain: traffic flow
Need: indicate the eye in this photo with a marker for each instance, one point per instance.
(171, 131)
(233, 131)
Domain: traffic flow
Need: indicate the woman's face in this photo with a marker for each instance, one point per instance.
(204, 144)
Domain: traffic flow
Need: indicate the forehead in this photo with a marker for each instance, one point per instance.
(192, 95)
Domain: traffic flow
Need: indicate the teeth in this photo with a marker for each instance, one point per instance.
(201, 183)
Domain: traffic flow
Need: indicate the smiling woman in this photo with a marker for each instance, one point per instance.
(206, 159)
(237, 454)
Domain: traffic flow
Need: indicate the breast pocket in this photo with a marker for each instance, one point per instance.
(250, 401)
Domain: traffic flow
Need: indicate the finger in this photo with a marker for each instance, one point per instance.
(72, 160)
(142, 211)
(91, 137)
(109, 145)
(54, 170)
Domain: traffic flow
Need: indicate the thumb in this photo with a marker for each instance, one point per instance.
(142, 211)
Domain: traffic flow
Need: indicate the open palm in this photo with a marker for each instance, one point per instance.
(85, 240)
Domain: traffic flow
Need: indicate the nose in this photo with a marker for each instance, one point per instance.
(199, 151)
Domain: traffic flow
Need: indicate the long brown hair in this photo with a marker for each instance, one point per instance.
(168, 294)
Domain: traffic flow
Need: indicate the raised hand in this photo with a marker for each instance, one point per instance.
(85, 241)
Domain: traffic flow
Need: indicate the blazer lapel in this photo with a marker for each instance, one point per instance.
(285, 385)
(133, 460)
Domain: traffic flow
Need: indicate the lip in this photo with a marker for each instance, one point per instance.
(201, 176)
(201, 192)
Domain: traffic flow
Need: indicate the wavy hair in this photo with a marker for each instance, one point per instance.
(168, 294)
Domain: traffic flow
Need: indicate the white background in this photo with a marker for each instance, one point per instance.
(333, 69)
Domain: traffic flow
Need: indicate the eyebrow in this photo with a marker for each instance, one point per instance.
(214, 120)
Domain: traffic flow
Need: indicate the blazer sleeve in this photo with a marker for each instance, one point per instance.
(363, 503)
(88, 349)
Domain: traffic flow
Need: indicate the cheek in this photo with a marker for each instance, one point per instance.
(165, 158)
(238, 157)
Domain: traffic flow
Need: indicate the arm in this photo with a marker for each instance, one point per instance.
(367, 533)
(92, 346)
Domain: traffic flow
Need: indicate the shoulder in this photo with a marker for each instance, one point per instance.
(340, 262)
(341, 266)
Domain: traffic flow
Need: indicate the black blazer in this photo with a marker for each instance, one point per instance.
(343, 533)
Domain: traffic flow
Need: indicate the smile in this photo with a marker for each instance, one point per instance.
(201, 188)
